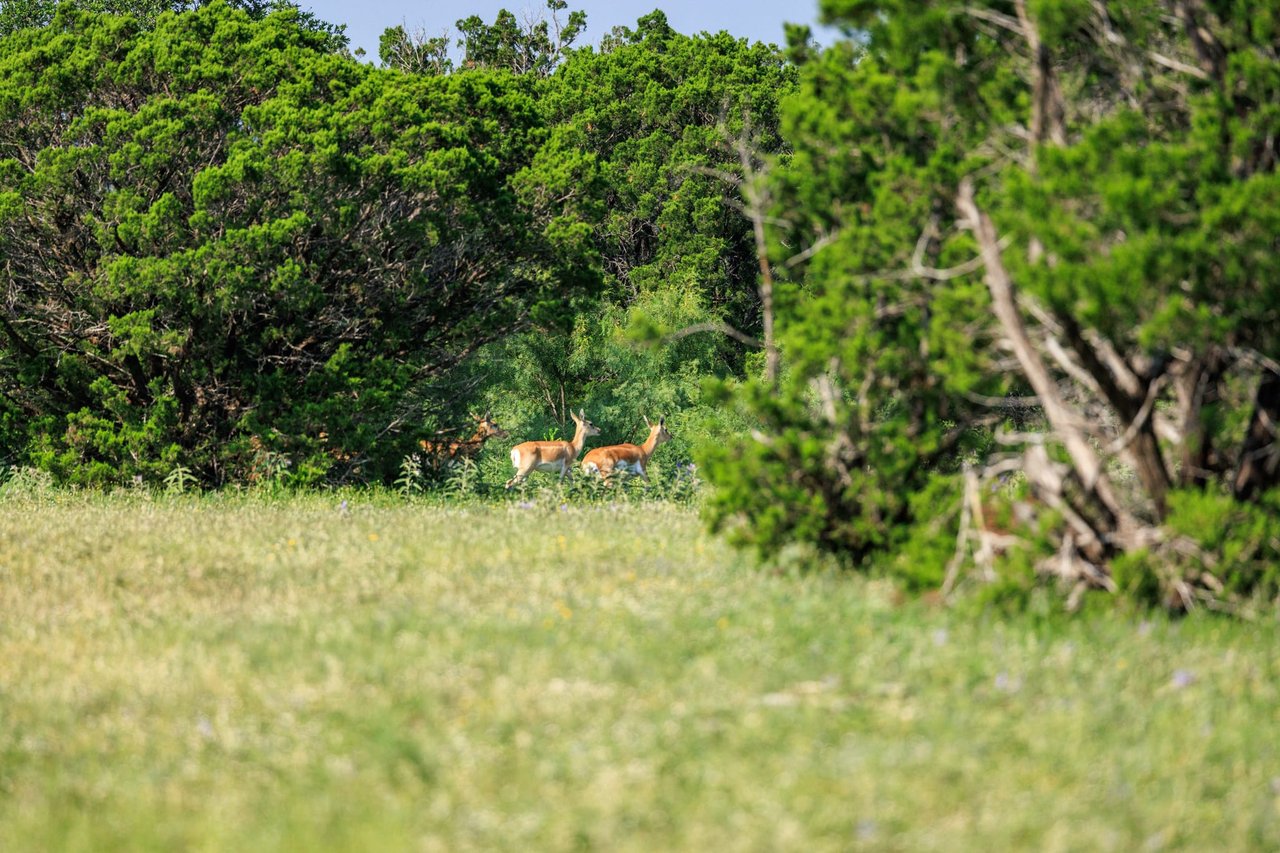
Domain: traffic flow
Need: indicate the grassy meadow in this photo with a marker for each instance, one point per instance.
(296, 674)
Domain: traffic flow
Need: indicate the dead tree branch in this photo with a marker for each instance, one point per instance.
(1064, 422)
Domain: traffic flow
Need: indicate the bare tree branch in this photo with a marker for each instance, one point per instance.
(722, 328)
(1063, 421)
(817, 246)
(1048, 111)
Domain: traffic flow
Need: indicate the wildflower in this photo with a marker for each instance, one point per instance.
(1182, 678)
(1007, 684)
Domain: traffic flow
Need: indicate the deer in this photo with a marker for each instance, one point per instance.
(631, 458)
(444, 453)
(551, 456)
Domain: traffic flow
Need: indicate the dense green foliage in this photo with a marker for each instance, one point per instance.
(641, 130)
(863, 420)
(654, 111)
(275, 257)
(21, 14)
(1071, 200)
(226, 244)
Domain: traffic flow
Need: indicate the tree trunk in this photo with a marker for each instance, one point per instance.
(1198, 385)
(1065, 422)
(1128, 395)
(1259, 465)
(1048, 111)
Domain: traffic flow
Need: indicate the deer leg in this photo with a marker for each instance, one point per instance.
(521, 474)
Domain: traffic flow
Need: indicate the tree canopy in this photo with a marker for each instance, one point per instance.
(223, 240)
(20, 14)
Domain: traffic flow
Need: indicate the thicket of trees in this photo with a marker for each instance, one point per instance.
(227, 245)
(982, 295)
(234, 247)
(645, 123)
(654, 113)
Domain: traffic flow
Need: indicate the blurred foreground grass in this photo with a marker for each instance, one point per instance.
(247, 673)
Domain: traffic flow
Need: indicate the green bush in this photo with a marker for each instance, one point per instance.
(968, 213)
(1220, 552)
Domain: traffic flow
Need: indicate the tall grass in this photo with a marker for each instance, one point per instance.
(373, 673)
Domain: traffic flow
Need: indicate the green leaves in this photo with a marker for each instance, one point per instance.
(261, 238)
(658, 110)
(1121, 152)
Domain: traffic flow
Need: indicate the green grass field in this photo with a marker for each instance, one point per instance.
(255, 673)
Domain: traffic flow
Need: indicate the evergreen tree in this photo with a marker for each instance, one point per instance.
(1072, 202)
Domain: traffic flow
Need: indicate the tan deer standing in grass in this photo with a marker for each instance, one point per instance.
(445, 453)
(631, 458)
(556, 457)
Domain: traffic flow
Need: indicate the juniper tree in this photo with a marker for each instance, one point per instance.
(1063, 203)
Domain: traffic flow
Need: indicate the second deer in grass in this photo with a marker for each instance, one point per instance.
(556, 457)
(631, 458)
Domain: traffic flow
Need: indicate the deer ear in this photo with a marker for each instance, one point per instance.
(488, 416)
(582, 413)
(662, 421)
(646, 420)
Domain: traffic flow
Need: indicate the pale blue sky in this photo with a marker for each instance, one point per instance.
(759, 20)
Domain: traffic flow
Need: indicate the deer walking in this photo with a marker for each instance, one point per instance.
(445, 453)
(551, 456)
(631, 458)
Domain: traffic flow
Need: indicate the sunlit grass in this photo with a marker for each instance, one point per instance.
(289, 674)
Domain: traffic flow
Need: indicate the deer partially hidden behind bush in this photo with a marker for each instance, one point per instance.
(556, 457)
(444, 453)
(631, 458)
